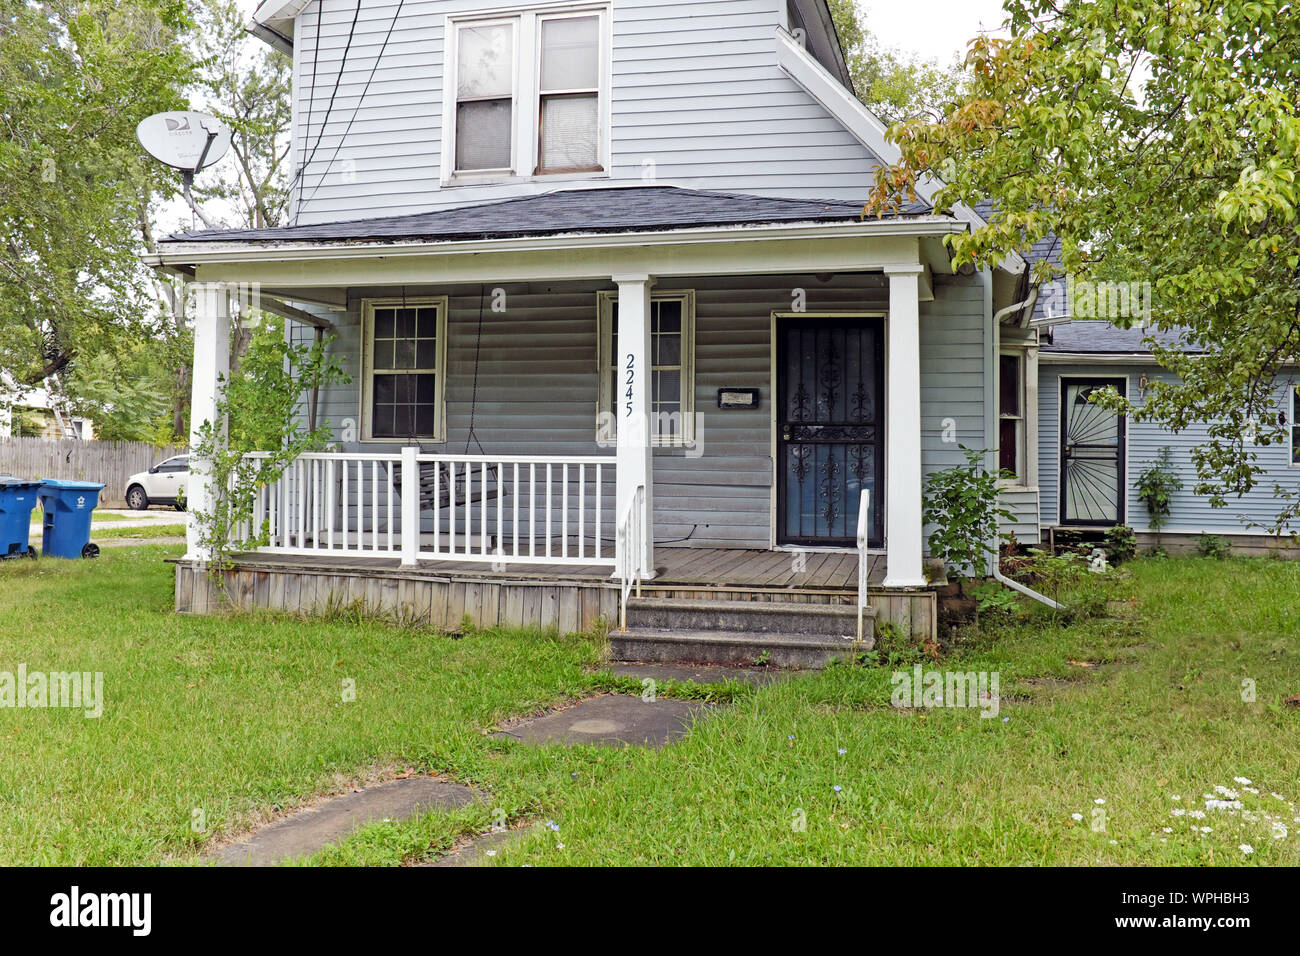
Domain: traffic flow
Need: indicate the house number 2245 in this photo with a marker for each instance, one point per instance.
(631, 377)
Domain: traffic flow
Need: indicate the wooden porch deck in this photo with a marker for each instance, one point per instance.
(676, 568)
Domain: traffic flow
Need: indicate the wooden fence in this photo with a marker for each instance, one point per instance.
(109, 462)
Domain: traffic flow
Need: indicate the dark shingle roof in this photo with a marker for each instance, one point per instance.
(612, 210)
(1099, 337)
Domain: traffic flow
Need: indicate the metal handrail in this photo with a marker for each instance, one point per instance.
(864, 511)
(630, 531)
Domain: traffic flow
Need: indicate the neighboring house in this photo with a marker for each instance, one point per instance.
(33, 412)
(532, 228)
(1090, 459)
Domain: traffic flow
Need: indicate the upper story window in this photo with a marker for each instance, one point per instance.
(529, 94)
(485, 96)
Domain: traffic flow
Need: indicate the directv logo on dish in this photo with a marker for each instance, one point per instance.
(76, 909)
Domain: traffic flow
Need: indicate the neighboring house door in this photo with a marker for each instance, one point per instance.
(830, 428)
(1092, 455)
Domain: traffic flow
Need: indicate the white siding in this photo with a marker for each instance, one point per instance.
(696, 92)
(538, 383)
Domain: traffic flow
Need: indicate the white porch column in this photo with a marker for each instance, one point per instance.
(632, 407)
(903, 524)
(211, 367)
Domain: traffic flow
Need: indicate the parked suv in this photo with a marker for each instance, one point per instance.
(163, 484)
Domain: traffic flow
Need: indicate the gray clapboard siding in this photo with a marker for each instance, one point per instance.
(538, 384)
(1189, 513)
(697, 93)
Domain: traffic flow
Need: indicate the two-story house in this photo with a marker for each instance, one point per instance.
(615, 321)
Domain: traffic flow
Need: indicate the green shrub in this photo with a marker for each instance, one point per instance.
(1213, 546)
(961, 503)
(1156, 485)
(1121, 544)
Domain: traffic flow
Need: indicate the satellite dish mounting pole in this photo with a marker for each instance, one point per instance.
(187, 180)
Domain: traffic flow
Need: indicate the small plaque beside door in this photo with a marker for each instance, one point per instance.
(738, 398)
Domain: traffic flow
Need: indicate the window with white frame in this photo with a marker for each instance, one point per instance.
(403, 359)
(485, 95)
(1011, 414)
(672, 367)
(529, 93)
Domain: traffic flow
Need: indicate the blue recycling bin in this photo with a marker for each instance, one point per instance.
(17, 499)
(68, 506)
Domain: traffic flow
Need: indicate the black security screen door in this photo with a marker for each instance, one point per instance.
(1092, 455)
(830, 429)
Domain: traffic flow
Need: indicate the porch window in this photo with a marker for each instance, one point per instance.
(1011, 414)
(672, 362)
(529, 93)
(403, 359)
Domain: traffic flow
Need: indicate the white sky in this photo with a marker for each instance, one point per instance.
(936, 29)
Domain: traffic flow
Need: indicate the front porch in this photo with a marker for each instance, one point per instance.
(794, 349)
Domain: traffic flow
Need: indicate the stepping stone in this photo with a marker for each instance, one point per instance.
(701, 674)
(307, 831)
(612, 720)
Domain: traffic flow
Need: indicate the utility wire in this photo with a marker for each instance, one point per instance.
(356, 109)
(329, 107)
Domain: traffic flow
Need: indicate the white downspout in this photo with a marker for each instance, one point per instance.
(995, 562)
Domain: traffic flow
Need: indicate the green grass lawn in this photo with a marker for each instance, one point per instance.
(225, 720)
(145, 531)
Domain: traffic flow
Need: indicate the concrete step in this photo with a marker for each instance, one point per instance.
(747, 617)
(731, 647)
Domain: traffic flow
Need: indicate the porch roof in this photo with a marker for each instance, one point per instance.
(599, 210)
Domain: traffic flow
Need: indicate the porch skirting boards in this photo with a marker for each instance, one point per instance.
(565, 599)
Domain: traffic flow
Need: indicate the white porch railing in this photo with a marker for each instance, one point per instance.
(508, 509)
(629, 546)
(864, 512)
(525, 510)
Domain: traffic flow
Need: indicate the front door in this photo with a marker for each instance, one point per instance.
(1092, 455)
(830, 428)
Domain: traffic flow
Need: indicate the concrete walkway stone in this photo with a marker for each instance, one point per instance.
(307, 831)
(612, 720)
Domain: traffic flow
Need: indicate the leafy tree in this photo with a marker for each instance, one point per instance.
(894, 85)
(246, 84)
(76, 76)
(1160, 141)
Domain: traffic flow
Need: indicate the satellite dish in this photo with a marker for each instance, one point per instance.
(184, 140)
